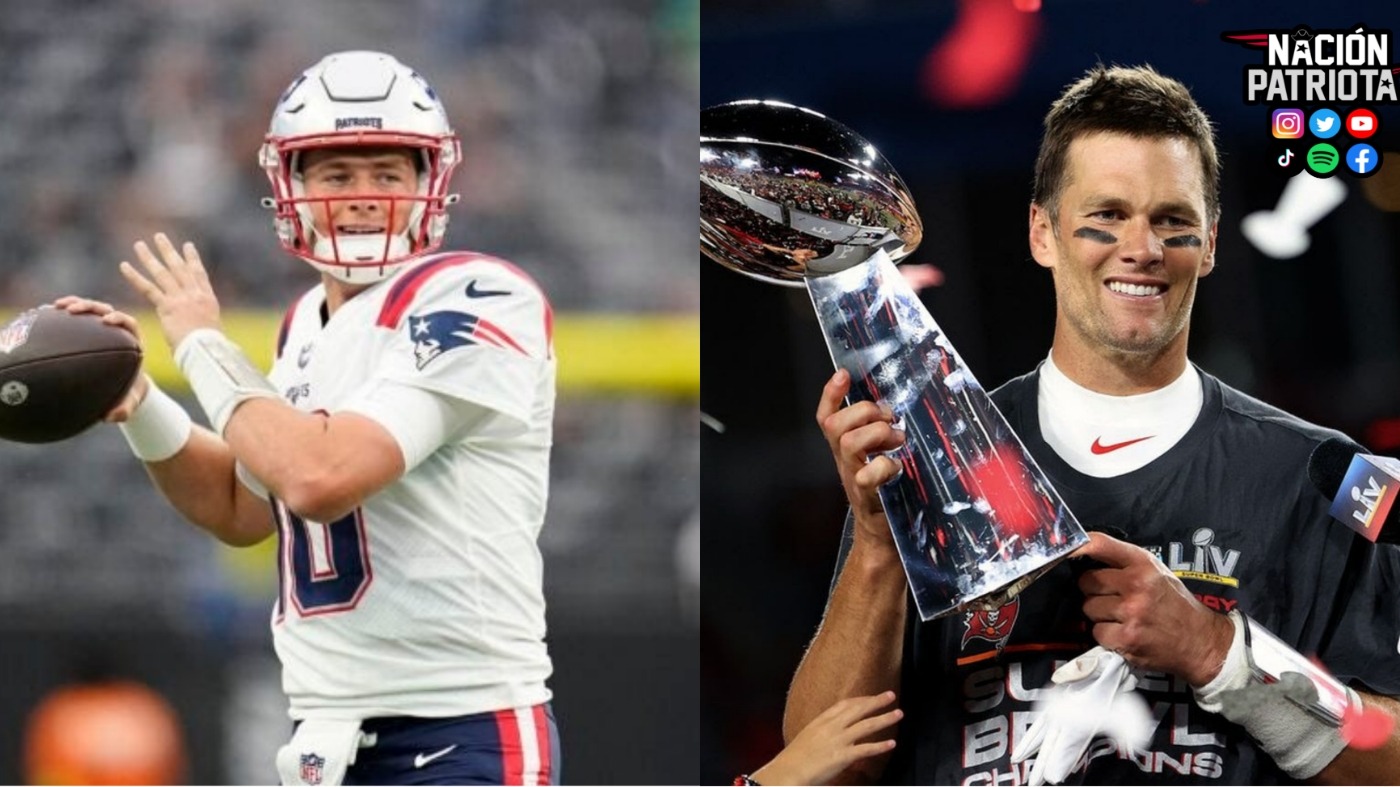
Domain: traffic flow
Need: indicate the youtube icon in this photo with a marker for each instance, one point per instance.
(1362, 123)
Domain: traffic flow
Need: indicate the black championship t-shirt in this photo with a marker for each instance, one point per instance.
(1231, 511)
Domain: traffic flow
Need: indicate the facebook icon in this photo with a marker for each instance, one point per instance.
(1363, 159)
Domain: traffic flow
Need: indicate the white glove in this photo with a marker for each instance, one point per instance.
(1090, 696)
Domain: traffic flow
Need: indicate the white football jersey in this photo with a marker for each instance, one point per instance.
(427, 600)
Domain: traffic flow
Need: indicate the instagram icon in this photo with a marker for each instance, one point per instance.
(1288, 123)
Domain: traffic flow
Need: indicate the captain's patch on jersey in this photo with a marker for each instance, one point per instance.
(434, 333)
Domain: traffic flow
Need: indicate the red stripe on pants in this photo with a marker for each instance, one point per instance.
(513, 767)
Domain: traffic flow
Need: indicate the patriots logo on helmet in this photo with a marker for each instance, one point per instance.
(423, 83)
(286, 94)
(993, 625)
(435, 333)
(312, 765)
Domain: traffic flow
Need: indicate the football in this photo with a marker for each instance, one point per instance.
(60, 373)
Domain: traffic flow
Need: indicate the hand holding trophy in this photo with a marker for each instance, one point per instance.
(792, 197)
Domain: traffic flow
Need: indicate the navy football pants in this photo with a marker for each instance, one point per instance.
(505, 747)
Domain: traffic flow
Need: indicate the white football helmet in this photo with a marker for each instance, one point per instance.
(369, 99)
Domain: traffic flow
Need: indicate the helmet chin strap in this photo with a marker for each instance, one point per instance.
(362, 248)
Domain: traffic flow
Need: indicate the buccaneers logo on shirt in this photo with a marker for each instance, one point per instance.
(993, 625)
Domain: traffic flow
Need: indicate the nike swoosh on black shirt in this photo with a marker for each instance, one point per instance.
(1099, 448)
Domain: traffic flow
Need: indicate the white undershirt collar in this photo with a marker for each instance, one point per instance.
(1105, 436)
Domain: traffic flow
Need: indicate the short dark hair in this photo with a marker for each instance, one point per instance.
(1136, 101)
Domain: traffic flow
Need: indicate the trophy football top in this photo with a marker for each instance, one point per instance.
(787, 193)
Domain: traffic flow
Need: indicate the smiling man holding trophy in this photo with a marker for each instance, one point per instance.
(1010, 665)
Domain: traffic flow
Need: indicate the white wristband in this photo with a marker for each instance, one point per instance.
(1286, 714)
(1234, 673)
(158, 428)
(220, 374)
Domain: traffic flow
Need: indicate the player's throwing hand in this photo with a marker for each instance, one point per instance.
(178, 288)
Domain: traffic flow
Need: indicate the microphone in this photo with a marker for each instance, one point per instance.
(1362, 487)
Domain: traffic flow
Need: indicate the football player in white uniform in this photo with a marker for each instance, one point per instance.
(399, 448)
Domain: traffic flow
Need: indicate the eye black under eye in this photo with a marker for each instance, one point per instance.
(1182, 241)
(1096, 235)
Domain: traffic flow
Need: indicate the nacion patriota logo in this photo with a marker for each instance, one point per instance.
(1303, 66)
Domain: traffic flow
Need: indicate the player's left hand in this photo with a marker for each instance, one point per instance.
(1141, 611)
(142, 385)
(178, 287)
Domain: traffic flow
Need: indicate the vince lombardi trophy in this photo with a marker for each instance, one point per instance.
(791, 197)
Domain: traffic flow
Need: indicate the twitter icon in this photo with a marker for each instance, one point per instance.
(1324, 124)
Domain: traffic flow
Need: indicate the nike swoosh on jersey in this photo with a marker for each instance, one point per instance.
(423, 759)
(473, 292)
(1100, 448)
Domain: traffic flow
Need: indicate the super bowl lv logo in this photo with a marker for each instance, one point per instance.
(993, 625)
(1323, 66)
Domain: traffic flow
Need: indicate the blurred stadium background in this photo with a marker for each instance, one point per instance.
(577, 121)
(953, 92)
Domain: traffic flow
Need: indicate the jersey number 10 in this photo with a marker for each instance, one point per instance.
(324, 566)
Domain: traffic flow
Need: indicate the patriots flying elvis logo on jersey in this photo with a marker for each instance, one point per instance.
(435, 333)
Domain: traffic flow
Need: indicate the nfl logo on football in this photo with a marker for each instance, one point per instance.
(311, 765)
(17, 332)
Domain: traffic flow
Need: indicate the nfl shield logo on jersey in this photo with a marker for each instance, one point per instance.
(311, 765)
